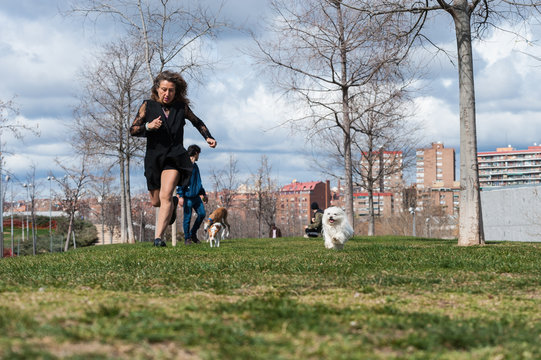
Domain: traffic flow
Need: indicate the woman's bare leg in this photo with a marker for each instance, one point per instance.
(169, 182)
(155, 197)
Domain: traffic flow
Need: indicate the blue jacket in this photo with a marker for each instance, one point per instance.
(194, 187)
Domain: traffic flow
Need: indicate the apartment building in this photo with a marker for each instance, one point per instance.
(383, 204)
(507, 166)
(386, 167)
(435, 179)
(293, 208)
(435, 166)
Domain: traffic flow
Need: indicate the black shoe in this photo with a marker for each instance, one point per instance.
(174, 214)
(159, 242)
(195, 240)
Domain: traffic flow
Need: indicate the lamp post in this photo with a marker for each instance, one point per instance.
(28, 186)
(1, 204)
(26, 213)
(8, 178)
(50, 179)
(412, 212)
(1, 214)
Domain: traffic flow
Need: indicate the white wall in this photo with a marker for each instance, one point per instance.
(512, 213)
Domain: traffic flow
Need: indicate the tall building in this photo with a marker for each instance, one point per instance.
(294, 200)
(386, 167)
(389, 165)
(383, 204)
(508, 166)
(435, 166)
(435, 179)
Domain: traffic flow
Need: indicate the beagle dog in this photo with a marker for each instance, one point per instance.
(217, 232)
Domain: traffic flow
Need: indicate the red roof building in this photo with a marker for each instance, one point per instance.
(294, 200)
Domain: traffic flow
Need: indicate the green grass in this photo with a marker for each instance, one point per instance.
(380, 298)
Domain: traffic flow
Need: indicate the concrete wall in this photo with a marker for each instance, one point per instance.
(512, 214)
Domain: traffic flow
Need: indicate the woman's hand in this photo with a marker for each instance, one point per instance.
(212, 143)
(155, 124)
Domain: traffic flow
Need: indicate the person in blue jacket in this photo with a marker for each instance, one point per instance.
(192, 196)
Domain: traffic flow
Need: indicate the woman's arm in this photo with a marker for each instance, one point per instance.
(138, 126)
(201, 127)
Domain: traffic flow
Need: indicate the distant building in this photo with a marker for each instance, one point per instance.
(435, 179)
(508, 166)
(383, 204)
(435, 166)
(386, 166)
(294, 200)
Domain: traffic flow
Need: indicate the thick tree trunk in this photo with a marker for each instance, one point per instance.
(349, 176)
(346, 120)
(470, 220)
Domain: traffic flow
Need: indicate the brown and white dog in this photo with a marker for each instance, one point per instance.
(218, 215)
(216, 233)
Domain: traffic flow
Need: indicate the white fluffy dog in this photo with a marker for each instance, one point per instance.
(336, 229)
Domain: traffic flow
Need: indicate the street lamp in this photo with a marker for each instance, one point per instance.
(26, 213)
(412, 212)
(102, 216)
(1, 215)
(28, 186)
(50, 179)
(8, 178)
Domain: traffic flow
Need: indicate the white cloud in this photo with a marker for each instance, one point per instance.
(439, 120)
(502, 43)
(502, 128)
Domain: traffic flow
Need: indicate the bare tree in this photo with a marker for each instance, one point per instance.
(384, 141)
(172, 34)
(72, 185)
(102, 188)
(9, 124)
(112, 209)
(30, 187)
(265, 195)
(226, 182)
(321, 53)
(114, 87)
(471, 18)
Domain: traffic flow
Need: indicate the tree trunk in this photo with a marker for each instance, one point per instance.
(129, 221)
(346, 120)
(33, 209)
(470, 220)
(70, 228)
(123, 238)
(372, 222)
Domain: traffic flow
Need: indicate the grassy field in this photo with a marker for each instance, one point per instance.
(380, 298)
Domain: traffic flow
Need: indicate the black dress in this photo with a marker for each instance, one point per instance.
(165, 146)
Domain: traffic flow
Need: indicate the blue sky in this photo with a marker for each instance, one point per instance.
(41, 54)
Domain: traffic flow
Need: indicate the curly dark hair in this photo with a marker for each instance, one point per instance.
(193, 149)
(181, 87)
